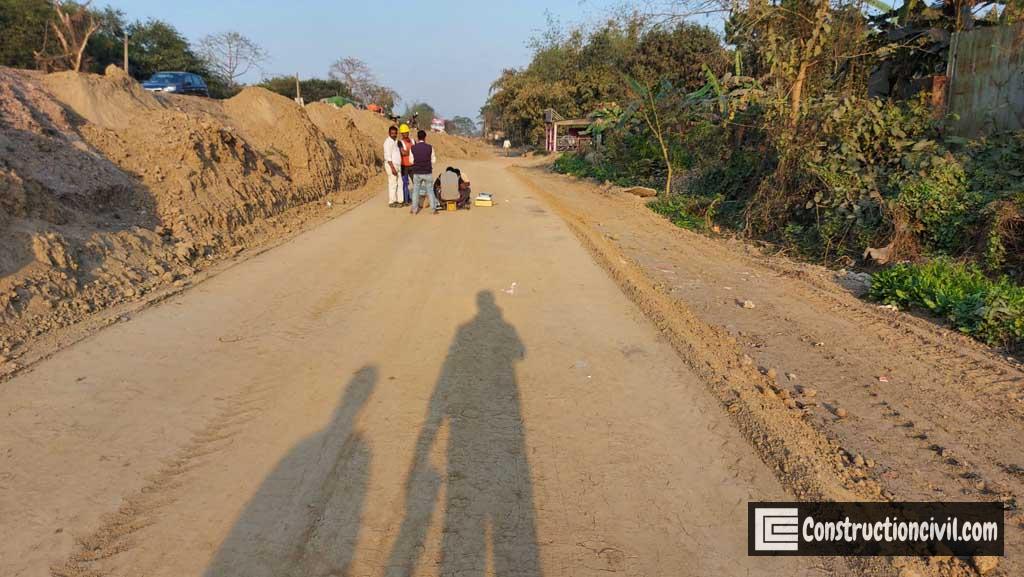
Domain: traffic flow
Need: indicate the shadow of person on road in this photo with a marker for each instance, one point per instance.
(488, 503)
(304, 519)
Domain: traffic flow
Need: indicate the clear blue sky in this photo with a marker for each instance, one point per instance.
(444, 52)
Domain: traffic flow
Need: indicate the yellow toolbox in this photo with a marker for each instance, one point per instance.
(483, 199)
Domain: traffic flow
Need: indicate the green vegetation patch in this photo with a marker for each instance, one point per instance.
(990, 310)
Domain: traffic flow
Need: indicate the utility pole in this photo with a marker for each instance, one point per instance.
(298, 91)
(126, 53)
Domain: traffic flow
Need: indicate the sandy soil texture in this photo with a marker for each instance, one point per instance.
(910, 410)
(466, 393)
(109, 193)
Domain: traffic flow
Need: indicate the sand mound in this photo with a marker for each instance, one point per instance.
(108, 101)
(449, 147)
(286, 135)
(38, 134)
(358, 153)
(107, 192)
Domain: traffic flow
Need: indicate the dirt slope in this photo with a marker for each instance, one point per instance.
(447, 146)
(108, 192)
(288, 137)
(358, 150)
(912, 412)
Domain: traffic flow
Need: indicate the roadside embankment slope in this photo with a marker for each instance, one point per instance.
(108, 192)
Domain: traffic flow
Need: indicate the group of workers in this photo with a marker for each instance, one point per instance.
(410, 169)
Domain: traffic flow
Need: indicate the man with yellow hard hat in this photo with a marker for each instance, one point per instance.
(405, 144)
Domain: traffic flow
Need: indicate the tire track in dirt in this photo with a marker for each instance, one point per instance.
(587, 212)
(808, 464)
(114, 535)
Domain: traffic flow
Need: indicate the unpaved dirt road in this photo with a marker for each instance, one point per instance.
(460, 394)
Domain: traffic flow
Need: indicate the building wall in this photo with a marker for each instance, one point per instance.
(987, 80)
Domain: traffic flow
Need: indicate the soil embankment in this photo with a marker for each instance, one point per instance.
(109, 192)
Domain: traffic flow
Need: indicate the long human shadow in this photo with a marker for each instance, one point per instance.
(304, 519)
(489, 516)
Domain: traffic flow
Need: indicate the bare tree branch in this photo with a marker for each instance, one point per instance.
(74, 24)
(356, 75)
(231, 55)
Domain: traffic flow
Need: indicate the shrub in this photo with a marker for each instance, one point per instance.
(572, 163)
(687, 211)
(992, 311)
(940, 206)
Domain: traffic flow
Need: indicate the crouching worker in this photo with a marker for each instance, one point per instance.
(465, 192)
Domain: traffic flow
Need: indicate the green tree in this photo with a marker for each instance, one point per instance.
(679, 55)
(106, 46)
(24, 24)
(426, 113)
(579, 72)
(461, 125)
(313, 89)
(155, 45)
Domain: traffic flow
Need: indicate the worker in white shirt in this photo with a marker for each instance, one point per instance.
(392, 166)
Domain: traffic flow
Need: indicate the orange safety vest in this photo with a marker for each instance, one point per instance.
(406, 151)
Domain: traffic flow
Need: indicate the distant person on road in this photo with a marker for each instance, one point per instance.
(406, 145)
(423, 172)
(392, 165)
(507, 145)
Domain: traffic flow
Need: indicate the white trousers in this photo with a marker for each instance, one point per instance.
(394, 187)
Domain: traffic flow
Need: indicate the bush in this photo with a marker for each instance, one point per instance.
(571, 163)
(940, 206)
(991, 311)
(688, 211)
(578, 165)
(731, 180)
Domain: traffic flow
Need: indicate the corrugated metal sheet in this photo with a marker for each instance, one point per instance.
(987, 80)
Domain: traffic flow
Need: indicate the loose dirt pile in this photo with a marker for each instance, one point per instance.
(448, 146)
(357, 149)
(108, 192)
(289, 138)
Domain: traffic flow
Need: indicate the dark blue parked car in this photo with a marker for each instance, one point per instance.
(178, 83)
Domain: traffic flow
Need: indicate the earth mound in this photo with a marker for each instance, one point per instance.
(108, 192)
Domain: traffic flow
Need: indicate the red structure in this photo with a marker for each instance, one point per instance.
(562, 135)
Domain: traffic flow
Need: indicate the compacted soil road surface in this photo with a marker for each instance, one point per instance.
(460, 394)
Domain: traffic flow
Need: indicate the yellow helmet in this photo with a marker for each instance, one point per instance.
(403, 129)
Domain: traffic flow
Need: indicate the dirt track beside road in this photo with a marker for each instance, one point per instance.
(927, 414)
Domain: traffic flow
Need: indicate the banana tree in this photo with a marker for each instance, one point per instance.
(652, 105)
(601, 120)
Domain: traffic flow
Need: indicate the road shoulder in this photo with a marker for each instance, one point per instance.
(845, 401)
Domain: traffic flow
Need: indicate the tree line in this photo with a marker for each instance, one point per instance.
(816, 125)
(52, 35)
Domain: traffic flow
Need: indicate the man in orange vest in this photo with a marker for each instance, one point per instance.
(405, 144)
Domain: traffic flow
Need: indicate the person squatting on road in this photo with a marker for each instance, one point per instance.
(392, 162)
(465, 187)
(422, 172)
(406, 145)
